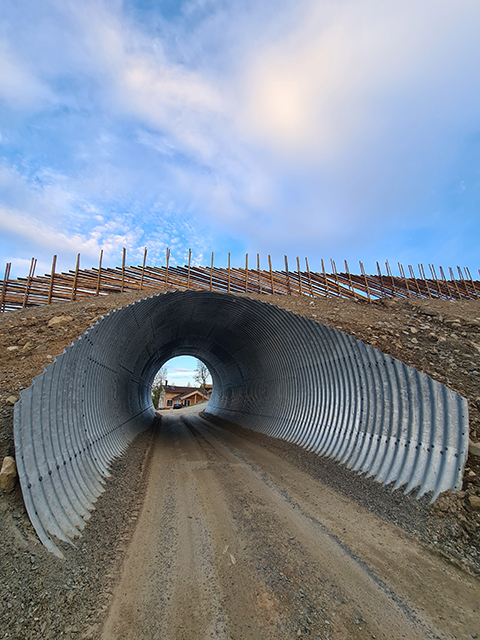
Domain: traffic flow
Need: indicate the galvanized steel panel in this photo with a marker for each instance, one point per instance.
(273, 371)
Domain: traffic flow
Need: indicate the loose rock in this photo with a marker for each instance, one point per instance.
(59, 321)
(388, 302)
(8, 474)
(474, 449)
(474, 502)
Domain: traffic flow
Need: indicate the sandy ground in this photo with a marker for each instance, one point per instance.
(234, 542)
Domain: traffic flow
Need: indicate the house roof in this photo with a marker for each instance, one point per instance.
(172, 389)
(184, 396)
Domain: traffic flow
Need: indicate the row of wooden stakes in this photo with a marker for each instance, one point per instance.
(76, 284)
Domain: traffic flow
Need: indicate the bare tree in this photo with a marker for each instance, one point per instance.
(201, 375)
(158, 387)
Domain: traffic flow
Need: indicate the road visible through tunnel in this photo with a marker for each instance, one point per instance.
(234, 542)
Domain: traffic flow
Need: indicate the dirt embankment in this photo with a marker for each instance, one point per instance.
(42, 597)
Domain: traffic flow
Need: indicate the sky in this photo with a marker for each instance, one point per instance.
(344, 129)
(181, 371)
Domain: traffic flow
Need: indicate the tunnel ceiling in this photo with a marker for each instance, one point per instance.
(273, 371)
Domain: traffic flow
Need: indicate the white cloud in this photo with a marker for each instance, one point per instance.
(19, 87)
(331, 84)
(308, 123)
(45, 236)
(138, 80)
(45, 215)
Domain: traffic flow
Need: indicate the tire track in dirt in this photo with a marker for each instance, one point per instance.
(234, 542)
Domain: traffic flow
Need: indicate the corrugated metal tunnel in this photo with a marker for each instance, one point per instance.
(273, 371)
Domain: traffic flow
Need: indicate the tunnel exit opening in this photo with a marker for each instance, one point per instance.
(182, 381)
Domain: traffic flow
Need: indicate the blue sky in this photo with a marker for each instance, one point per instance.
(181, 371)
(320, 128)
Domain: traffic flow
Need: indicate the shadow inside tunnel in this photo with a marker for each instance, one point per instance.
(174, 424)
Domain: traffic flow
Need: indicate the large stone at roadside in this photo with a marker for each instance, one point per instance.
(474, 502)
(59, 321)
(388, 302)
(474, 449)
(8, 474)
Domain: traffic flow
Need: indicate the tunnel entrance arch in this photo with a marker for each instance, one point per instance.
(273, 371)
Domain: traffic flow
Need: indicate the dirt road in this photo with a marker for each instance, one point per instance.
(234, 542)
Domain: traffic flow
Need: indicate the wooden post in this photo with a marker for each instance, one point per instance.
(451, 292)
(471, 280)
(228, 282)
(434, 276)
(381, 279)
(211, 272)
(334, 269)
(325, 278)
(402, 272)
(124, 253)
(52, 278)
(4, 288)
(166, 271)
(289, 290)
(271, 273)
(75, 278)
(350, 281)
(462, 278)
(99, 273)
(143, 268)
(299, 276)
(246, 272)
(422, 273)
(31, 274)
(258, 271)
(309, 278)
(412, 275)
(189, 263)
(389, 272)
(366, 281)
(455, 282)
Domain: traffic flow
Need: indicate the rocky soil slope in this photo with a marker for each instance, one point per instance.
(43, 597)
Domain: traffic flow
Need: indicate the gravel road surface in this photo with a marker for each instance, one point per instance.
(233, 541)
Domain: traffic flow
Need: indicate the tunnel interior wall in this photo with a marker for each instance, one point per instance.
(273, 371)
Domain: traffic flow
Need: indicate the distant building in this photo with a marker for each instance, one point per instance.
(188, 396)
